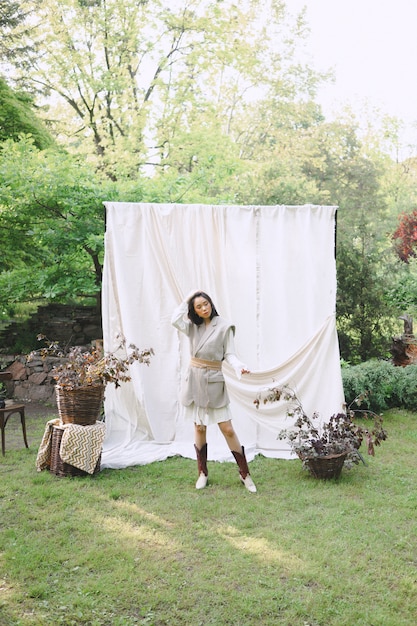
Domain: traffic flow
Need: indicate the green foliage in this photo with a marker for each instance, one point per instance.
(401, 293)
(177, 104)
(388, 386)
(365, 319)
(406, 389)
(338, 160)
(131, 78)
(17, 118)
(51, 225)
(12, 14)
(24, 339)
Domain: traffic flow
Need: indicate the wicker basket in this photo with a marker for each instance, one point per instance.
(326, 466)
(81, 405)
(57, 466)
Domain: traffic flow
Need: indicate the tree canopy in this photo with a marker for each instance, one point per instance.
(18, 118)
(125, 79)
(193, 101)
(51, 224)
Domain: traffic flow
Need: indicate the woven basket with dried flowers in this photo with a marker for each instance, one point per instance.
(83, 373)
(325, 449)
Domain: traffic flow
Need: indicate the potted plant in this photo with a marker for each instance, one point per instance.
(82, 374)
(325, 449)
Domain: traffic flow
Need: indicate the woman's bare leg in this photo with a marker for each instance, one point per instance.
(230, 435)
(200, 436)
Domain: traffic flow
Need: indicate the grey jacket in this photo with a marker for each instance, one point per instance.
(205, 387)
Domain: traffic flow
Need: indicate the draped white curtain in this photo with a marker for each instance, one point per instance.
(269, 269)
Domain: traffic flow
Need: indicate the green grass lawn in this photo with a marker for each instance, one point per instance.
(142, 546)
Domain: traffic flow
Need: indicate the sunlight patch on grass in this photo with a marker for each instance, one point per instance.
(261, 548)
(136, 510)
(6, 590)
(141, 546)
(133, 530)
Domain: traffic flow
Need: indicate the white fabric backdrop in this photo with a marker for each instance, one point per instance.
(269, 269)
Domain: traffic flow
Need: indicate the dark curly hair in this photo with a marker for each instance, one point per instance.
(196, 319)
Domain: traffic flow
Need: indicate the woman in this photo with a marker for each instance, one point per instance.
(205, 395)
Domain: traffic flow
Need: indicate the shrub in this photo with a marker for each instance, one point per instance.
(388, 386)
(407, 387)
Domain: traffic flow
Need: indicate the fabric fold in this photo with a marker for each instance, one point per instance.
(270, 270)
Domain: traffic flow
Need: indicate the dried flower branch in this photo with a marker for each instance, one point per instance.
(341, 434)
(82, 367)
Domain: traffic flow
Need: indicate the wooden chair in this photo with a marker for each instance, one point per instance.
(7, 412)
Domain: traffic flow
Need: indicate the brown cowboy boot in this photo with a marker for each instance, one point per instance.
(245, 477)
(202, 466)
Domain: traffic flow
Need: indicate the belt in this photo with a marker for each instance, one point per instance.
(204, 364)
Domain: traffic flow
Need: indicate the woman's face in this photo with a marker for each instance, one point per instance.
(203, 308)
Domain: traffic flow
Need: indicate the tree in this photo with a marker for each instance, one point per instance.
(255, 106)
(348, 173)
(276, 153)
(405, 236)
(365, 316)
(17, 118)
(51, 225)
(402, 293)
(127, 76)
(207, 98)
(11, 15)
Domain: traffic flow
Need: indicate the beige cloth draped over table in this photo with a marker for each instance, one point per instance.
(80, 445)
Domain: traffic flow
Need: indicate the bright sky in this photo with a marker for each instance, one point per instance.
(372, 47)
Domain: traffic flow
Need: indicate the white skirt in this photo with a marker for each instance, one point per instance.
(205, 417)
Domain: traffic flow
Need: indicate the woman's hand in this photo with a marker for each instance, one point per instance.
(190, 295)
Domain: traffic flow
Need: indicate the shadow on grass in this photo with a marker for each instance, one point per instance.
(142, 546)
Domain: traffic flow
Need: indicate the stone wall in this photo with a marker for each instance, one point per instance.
(68, 325)
(31, 380)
